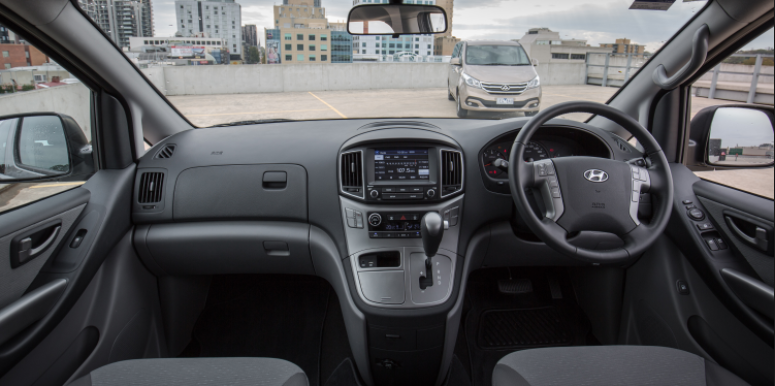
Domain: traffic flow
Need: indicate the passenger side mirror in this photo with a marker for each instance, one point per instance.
(740, 136)
(454, 61)
(42, 146)
(396, 19)
(535, 62)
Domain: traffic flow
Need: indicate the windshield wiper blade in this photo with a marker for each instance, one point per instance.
(253, 122)
(499, 64)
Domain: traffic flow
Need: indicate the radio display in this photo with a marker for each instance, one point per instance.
(401, 165)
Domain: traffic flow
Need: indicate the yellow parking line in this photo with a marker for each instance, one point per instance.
(253, 112)
(331, 107)
(57, 184)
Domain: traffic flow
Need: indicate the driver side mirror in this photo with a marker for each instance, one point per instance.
(535, 62)
(454, 61)
(396, 19)
(43, 146)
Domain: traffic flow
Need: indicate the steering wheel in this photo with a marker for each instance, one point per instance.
(590, 193)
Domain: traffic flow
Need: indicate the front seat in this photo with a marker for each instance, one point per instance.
(609, 365)
(197, 372)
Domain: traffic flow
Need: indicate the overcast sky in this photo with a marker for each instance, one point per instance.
(599, 21)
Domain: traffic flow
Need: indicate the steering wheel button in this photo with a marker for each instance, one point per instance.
(555, 192)
(635, 196)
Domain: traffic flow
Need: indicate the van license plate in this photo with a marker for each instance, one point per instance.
(504, 101)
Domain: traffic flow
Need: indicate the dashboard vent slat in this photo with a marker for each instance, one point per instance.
(352, 173)
(451, 172)
(165, 152)
(151, 187)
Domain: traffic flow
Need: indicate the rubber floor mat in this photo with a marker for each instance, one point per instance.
(502, 329)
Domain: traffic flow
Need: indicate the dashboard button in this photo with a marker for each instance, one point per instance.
(414, 196)
(351, 222)
(431, 193)
(375, 219)
(349, 212)
(403, 190)
(696, 214)
(358, 220)
(416, 189)
(388, 190)
(374, 194)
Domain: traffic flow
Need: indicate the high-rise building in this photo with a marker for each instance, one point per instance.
(302, 34)
(546, 46)
(7, 36)
(386, 45)
(120, 19)
(250, 35)
(447, 5)
(212, 19)
(443, 45)
(625, 46)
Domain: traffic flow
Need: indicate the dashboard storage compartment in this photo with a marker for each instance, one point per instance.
(245, 192)
(215, 248)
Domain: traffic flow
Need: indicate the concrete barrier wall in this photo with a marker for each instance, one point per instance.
(72, 100)
(213, 80)
(741, 78)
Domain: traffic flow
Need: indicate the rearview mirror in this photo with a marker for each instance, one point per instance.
(396, 19)
(42, 146)
(740, 137)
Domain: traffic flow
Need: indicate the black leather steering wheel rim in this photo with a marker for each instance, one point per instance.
(525, 175)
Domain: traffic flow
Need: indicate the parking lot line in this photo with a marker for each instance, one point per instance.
(256, 112)
(331, 107)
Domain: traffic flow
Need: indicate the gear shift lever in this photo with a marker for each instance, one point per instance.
(432, 231)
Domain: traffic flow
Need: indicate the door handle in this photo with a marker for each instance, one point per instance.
(759, 239)
(24, 251)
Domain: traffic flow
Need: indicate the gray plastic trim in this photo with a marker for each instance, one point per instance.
(750, 291)
(29, 308)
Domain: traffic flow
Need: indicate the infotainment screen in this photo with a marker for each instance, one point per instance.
(401, 165)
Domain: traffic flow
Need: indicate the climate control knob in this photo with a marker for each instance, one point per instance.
(374, 194)
(430, 192)
(375, 219)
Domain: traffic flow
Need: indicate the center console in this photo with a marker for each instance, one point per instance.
(401, 207)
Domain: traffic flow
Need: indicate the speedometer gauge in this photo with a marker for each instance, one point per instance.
(533, 152)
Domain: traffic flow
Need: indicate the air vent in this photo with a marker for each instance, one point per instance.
(151, 187)
(451, 172)
(166, 152)
(352, 173)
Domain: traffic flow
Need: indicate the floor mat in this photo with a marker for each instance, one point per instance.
(264, 316)
(343, 375)
(498, 323)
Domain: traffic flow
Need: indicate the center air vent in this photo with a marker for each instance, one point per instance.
(352, 173)
(166, 151)
(151, 187)
(451, 172)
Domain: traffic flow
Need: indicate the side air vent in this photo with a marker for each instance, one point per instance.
(352, 173)
(165, 152)
(151, 187)
(451, 172)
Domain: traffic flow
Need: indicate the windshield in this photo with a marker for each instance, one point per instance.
(226, 62)
(492, 55)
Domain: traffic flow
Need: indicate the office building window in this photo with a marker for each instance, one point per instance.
(429, 46)
(383, 52)
(311, 37)
(559, 56)
(288, 58)
(312, 58)
(363, 52)
(299, 36)
(363, 44)
(288, 47)
(391, 52)
(377, 37)
(323, 38)
(312, 47)
(416, 46)
(578, 56)
(6, 54)
(287, 36)
(392, 45)
(324, 47)
(300, 47)
(323, 58)
(299, 58)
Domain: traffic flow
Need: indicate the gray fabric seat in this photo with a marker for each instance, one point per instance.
(197, 372)
(609, 365)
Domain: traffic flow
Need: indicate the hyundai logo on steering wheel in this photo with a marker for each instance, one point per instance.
(596, 175)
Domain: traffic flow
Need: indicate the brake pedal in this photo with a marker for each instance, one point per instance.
(514, 287)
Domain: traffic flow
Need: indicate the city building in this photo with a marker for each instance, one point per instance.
(388, 48)
(7, 36)
(212, 19)
(447, 5)
(121, 19)
(302, 34)
(250, 35)
(20, 55)
(179, 50)
(443, 45)
(624, 46)
(546, 46)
